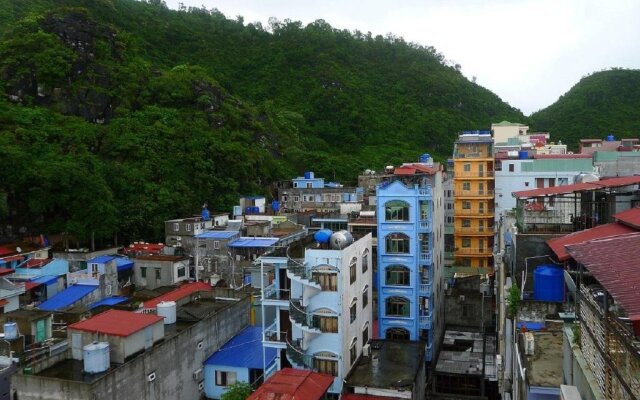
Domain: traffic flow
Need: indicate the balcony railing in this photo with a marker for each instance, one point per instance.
(298, 314)
(425, 321)
(473, 251)
(424, 225)
(425, 257)
(297, 355)
(474, 174)
(473, 193)
(462, 211)
(275, 336)
(301, 271)
(477, 230)
(424, 289)
(272, 293)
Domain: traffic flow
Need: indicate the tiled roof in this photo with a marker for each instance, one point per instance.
(179, 293)
(579, 187)
(599, 232)
(629, 217)
(413, 169)
(614, 263)
(117, 323)
(293, 384)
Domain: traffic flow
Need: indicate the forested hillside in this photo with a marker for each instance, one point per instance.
(117, 114)
(603, 103)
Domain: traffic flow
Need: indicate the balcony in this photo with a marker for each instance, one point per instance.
(300, 273)
(424, 226)
(425, 321)
(424, 289)
(474, 174)
(271, 292)
(425, 257)
(473, 193)
(297, 356)
(474, 213)
(474, 231)
(299, 316)
(473, 251)
(274, 338)
(424, 191)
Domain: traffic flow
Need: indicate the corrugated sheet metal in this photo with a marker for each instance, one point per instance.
(179, 293)
(67, 297)
(117, 323)
(614, 263)
(123, 263)
(629, 217)
(253, 242)
(244, 350)
(109, 301)
(599, 232)
(293, 384)
(579, 187)
(220, 235)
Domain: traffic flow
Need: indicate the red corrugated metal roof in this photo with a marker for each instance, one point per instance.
(629, 217)
(293, 384)
(412, 169)
(36, 262)
(6, 271)
(12, 258)
(599, 232)
(6, 251)
(614, 263)
(352, 396)
(117, 323)
(579, 187)
(179, 293)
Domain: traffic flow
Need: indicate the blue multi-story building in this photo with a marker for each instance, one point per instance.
(410, 213)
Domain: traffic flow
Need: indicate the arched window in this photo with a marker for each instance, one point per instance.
(397, 334)
(397, 275)
(325, 320)
(326, 276)
(365, 296)
(397, 243)
(353, 350)
(396, 210)
(326, 363)
(365, 261)
(352, 270)
(397, 307)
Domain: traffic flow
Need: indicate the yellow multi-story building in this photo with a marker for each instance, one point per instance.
(473, 188)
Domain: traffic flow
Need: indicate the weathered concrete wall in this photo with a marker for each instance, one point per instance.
(467, 314)
(527, 246)
(33, 387)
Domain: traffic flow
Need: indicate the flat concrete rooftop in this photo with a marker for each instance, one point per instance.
(392, 365)
(461, 354)
(545, 365)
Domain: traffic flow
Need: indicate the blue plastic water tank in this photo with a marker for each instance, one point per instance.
(205, 214)
(611, 138)
(323, 235)
(255, 210)
(548, 284)
(248, 210)
(523, 155)
(425, 158)
(275, 206)
(308, 175)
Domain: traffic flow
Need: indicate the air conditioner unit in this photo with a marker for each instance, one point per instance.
(197, 375)
(366, 350)
(529, 344)
(151, 377)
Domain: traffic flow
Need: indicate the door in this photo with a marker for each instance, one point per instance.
(41, 333)
(481, 170)
(76, 346)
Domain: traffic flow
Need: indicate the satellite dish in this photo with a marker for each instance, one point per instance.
(571, 285)
(18, 249)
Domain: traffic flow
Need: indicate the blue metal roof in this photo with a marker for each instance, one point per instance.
(244, 350)
(67, 297)
(217, 235)
(123, 263)
(109, 301)
(253, 242)
(45, 279)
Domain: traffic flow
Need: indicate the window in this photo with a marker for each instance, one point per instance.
(143, 272)
(466, 223)
(309, 185)
(397, 275)
(328, 281)
(511, 168)
(526, 183)
(466, 205)
(352, 270)
(467, 167)
(397, 334)
(353, 350)
(176, 227)
(182, 271)
(365, 261)
(158, 273)
(353, 311)
(365, 297)
(466, 186)
(296, 198)
(397, 307)
(424, 210)
(188, 227)
(396, 210)
(295, 184)
(224, 378)
(216, 244)
(397, 243)
(466, 242)
(326, 366)
(365, 334)
(326, 323)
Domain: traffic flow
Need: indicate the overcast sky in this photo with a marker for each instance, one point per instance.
(528, 52)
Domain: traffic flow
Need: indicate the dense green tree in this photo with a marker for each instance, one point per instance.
(237, 391)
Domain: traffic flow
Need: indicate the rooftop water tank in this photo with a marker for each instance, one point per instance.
(341, 239)
(425, 158)
(10, 330)
(323, 235)
(275, 206)
(96, 357)
(167, 309)
(523, 155)
(548, 284)
(205, 213)
(611, 138)
(237, 211)
(308, 175)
